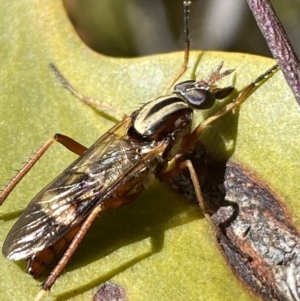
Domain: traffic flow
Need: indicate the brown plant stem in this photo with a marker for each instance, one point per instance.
(278, 42)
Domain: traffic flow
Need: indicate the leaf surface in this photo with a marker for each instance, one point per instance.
(160, 247)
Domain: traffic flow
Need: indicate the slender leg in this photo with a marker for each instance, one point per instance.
(193, 137)
(66, 141)
(96, 104)
(107, 204)
(68, 254)
(187, 42)
(189, 165)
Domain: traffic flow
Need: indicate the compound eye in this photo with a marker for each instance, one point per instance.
(200, 99)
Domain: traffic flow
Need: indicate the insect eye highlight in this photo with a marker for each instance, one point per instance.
(200, 98)
(183, 86)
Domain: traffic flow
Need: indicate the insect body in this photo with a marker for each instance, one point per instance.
(112, 172)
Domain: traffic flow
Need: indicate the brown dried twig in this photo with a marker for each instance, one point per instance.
(278, 42)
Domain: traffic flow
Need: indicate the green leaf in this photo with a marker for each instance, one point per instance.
(159, 247)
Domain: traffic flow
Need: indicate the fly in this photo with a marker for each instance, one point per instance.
(113, 171)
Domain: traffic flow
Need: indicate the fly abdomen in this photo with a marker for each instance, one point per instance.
(37, 263)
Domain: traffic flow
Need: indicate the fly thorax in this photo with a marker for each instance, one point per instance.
(166, 118)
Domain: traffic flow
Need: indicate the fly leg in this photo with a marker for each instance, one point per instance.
(69, 252)
(66, 141)
(191, 139)
(96, 104)
(109, 203)
(189, 165)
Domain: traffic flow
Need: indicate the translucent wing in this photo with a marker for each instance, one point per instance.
(64, 203)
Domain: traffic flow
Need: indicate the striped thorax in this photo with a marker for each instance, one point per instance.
(169, 118)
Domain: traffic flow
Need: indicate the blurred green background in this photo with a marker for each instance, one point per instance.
(142, 27)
